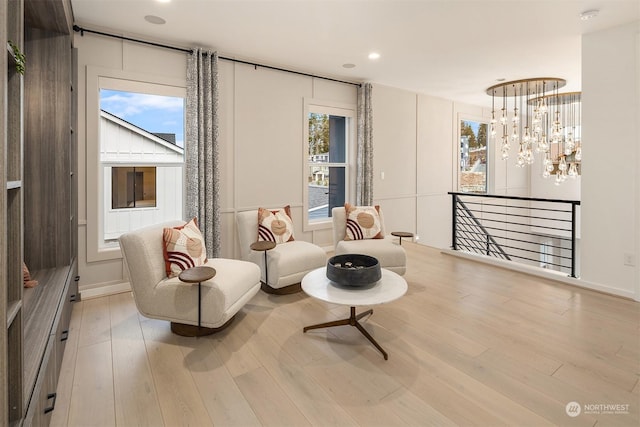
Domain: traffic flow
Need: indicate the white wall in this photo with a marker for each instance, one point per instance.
(105, 53)
(415, 143)
(610, 180)
(546, 188)
(394, 154)
(261, 133)
(436, 156)
(415, 146)
(262, 137)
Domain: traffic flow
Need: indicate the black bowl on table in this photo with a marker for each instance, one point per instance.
(353, 270)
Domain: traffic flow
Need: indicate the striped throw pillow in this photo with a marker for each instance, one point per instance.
(183, 248)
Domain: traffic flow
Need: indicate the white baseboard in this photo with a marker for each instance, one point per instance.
(606, 289)
(104, 289)
(547, 274)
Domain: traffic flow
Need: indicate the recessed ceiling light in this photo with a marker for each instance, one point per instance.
(154, 19)
(589, 14)
(163, 1)
(374, 55)
(349, 65)
(501, 79)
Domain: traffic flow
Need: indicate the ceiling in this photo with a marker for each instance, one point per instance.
(448, 48)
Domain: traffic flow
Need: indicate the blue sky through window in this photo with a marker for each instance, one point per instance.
(153, 113)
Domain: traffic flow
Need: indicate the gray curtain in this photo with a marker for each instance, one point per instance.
(201, 147)
(364, 166)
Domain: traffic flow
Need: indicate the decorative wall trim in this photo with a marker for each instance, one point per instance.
(397, 197)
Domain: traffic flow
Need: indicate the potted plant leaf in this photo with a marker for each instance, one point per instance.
(18, 56)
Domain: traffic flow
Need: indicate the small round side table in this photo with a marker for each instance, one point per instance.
(401, 234)
(264, 246)
(197, 275)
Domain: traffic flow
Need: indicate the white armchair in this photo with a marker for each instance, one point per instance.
(389, 254)
(287, 263)
(159, 297)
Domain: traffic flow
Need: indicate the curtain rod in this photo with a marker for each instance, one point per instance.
(82, 30)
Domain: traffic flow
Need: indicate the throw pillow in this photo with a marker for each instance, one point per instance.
(363, 222)
(275, 226)
(26, 277)
(183, 248)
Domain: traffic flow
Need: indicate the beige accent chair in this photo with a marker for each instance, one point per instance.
(287, 263)
(390, 255)
(159, 297)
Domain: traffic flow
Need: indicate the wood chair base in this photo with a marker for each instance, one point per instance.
(185, 330)
(287, 290)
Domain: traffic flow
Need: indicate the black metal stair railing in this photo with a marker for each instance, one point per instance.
(534, 231)
(473, 237)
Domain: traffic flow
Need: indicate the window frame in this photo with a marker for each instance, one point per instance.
(489, 153)
(105, 78)
(348, 111)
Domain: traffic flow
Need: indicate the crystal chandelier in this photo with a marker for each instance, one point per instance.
(535, 117)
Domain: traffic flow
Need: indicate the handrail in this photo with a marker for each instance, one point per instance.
(498, 196)
(536, 229)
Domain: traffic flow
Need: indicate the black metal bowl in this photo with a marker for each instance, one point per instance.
(353, 270)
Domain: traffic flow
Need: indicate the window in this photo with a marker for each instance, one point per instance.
(329, 132)
(546, 254)
(472, 175)
(116, 100)
(141, 157)
(133, 187)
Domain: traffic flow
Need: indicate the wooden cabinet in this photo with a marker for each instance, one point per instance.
(47, 160)
(38, 203)
(45, 348)
(43, 401)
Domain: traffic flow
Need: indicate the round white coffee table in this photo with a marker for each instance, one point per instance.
(389, 288)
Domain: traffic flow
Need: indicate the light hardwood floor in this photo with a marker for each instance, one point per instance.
(470, 344)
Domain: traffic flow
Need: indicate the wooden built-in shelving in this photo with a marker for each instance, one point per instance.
(37, 205)
(11, 216)
(40, 307)
(13, 308)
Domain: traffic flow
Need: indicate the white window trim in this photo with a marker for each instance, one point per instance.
(490, 160)
(99, 78)
(339, 109)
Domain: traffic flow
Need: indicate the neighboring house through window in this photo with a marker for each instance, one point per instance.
(472, 176)
(141, 157)
(134, 151)
(329, 139)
